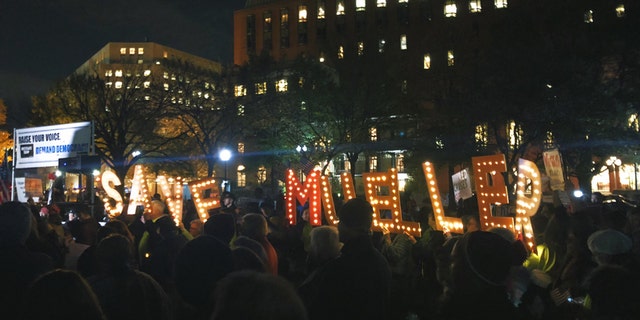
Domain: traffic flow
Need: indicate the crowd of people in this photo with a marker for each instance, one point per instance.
(248, 262)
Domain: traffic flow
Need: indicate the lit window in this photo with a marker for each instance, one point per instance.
(360, 5)
(381, 44)
(242, 177)
(373, 163)
(515, 134)
(147, 84)
(439, 143)
(500, 4)
(165, 75)
(108, 84)
(132, 50)
(303, 106)
(321, 12)
(262, 174)
(118, 84)
(261, 88)
(140, 50)
(341, 52)
(450, 9)
(321, 59)
(240, 110)
(549, 140)
(475, 6)
(123, 50)
(482, 135)
(360, 48)
(633, 122)
(403, 1)
(588, 16)
(373, 134)
(450, 58)
(381, 3)
(403, 42)
(426, 61)
(147, 73)
(302, 13)
(118, 73)
(240, 90)
(165, 54)
(240, 147)
(620, 11)
(166, 86)
(108, 73)
(340, 8)
(400, 163)
(281, 85)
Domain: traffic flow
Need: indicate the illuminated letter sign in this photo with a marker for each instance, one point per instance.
(108, 179)
(443, 223)
(139, 195)
(327, 203)
(381, 189)
(309, 191)
(206, 196)
(490, 188)
(527, 206)
(172, 191)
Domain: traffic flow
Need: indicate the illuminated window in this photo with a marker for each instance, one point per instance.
(403, 42)
(381, 3)
(373, 134)
(132, 50)
(242, 176)
(165, 86)
(240, 147)
(588, 16)
(514, 132)
(620, 11)
(403, 1)
(140, 50)
(633, 122)
(303, 106)
(165, 75)
(108, 73)
(341, 52)
(118, 84)
(123, 50)
(165, 54)
(439, 143)
(482, 135)
(321, 12)
(450, 58)
(262, 174)
(373, 163)
(361, 5)
(240, 90)
(347, 164)
(281, 85)
(340, 8)
(302, 13)
(261, 88)
(450, 9)
(147, 73)
(360, 48)
(475, 6)
(426, 61)
(500, 4)
(400, 163)
(240, 110)
(118, 73)
(147, 84)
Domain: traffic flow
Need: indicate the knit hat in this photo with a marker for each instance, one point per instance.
(609, 241)
(488, 255)
(356, 214)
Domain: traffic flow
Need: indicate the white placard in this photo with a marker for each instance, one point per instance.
(40, 147)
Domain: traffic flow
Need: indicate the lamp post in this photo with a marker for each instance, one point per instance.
(614, 173)
(224, 156)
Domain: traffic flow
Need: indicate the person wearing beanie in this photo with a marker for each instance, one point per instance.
(480, 264)
(357, 284)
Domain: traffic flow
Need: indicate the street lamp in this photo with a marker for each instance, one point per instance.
(224, 156)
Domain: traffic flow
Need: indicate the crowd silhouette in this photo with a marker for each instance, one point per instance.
(248, 262)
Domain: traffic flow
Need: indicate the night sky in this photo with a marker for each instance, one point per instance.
(42, 41)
